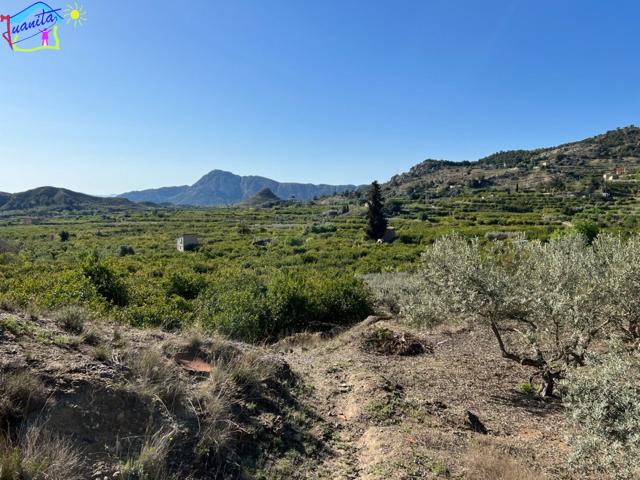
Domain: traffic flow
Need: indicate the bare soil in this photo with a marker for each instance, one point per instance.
(405, 417)
(362, 412)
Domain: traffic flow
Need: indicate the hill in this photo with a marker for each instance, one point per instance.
(225, 188)
(4, 198)
(264, 198)
(577, 167)
(155, 195)
(58, 198)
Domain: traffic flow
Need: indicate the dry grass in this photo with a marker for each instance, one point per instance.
(20, 393)
(154, 376)
(151, 462)
(72, 319)
(39, 455)
(215, 398)
(485, 461)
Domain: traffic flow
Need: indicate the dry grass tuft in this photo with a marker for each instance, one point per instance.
(485, 461)
(151, 462)
(21, 393)
(72, 319)
(215, 398)
(155, 376)
(38, 454)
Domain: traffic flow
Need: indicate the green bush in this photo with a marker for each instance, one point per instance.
(320, 228)
(252, 309)
(124, 250)
(603, 404)
(187, 286)
(588, 229)
(105, 281)
(72, 319)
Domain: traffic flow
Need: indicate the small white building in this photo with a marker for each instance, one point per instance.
(187, 242)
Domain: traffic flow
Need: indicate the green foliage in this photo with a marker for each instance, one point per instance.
(603, 403)
(544, 302)
(105, 281)
(72, 319)
(124, 250)
(588, 229)
(64, 236)
(320, 228)
(185, 285)
(36, 272)
(376, 221)
(249, 308)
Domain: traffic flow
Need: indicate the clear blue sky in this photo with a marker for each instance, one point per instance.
(157, 93)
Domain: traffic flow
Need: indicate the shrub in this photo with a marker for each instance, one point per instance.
(542, 301)
(403, 293)
(72, 319)
(64, 236)
(124, 250)
(251, 309)
(187, 286)
(603, 404)
(216, 399)
(341, 300)
(588, 229)
(105, 281)
(320, 228)
(21, 393)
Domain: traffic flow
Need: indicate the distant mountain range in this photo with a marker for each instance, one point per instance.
(607, 165)
(224, 188)
(53, 198)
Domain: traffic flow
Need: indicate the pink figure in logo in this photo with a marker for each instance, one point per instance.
(45, 37)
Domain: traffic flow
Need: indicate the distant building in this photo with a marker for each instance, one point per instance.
(188, 242)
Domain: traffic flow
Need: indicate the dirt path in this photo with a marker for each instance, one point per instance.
(404, 417)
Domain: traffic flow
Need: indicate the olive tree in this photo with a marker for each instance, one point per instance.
(603, 405)
(541, 301)
(620, 283)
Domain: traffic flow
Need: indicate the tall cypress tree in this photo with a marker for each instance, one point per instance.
(376, 222)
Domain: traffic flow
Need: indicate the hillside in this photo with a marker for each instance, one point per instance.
(155, 195)
(264, 198)
(577, 167)
(58, 198)
(4, 198)
(225, 188)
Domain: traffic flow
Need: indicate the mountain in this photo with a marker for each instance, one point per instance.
(264, 198)
(58, 198)
(156, 195)
(577, 167)
(224, 188)
(4, 198)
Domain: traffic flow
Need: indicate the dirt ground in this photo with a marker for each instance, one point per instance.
(404, 417)
(379, 415)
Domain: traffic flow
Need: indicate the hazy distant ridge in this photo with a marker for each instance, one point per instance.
(225, 188)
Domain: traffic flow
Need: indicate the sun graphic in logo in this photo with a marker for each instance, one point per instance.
(75, 13)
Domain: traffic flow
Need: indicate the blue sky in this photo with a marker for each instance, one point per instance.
(156, 93)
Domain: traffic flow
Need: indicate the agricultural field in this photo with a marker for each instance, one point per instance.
(251, 356)
(125, 265)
